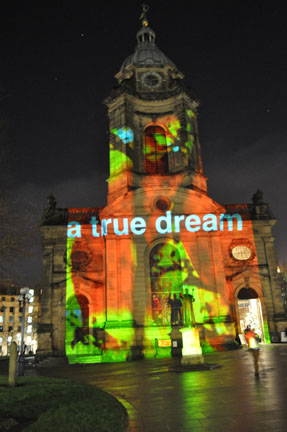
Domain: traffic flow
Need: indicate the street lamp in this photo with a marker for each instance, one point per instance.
(23, 298)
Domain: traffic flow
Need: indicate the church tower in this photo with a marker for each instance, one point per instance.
(153, 123)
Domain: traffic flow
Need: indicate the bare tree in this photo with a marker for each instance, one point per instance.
(12, 237)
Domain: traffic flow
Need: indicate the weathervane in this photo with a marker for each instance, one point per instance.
(143, 17)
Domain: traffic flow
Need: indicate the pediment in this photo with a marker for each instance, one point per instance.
(158, 201)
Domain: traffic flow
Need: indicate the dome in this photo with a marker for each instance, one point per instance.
(147, 56)
(146, 53)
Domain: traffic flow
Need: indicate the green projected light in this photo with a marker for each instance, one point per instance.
(109, 315)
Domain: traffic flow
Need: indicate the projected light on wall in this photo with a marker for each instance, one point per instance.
(101, 321)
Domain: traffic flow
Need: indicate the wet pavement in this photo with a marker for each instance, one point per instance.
(228, 398)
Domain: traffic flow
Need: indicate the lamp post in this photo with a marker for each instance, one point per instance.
(22, 298)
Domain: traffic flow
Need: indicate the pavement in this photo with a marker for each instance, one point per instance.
(227, 398)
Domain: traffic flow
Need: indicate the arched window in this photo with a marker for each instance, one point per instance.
(77, 320)
(155, 149)
(166, 281)
(80, 306)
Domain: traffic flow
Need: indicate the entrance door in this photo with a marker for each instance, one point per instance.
(250, 312)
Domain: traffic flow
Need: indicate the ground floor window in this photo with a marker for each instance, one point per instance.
(166, 284)
(77, 320)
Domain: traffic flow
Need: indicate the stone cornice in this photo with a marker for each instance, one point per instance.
(129, 89)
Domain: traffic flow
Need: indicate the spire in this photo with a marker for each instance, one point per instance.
(146, 52)
(145, 35)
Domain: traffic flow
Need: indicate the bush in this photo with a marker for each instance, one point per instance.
(62, 405)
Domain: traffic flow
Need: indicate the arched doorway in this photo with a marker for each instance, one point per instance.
(165, 282)
(250, 311)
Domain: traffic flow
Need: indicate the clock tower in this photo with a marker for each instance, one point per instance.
(153, 123)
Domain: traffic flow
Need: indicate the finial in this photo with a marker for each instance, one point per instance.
(52, 201)
(143, 17)
(257, 197)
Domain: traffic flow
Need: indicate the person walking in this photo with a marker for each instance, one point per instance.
(253, 340)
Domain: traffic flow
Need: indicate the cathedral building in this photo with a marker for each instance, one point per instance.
(116, 279)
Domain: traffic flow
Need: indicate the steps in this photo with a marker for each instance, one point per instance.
(51, 362)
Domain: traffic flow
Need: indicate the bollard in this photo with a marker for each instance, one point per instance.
(12, 365)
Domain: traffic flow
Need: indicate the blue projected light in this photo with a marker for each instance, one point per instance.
(125, 134)
(163, 224)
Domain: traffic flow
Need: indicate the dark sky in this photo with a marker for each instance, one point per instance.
(58, 60)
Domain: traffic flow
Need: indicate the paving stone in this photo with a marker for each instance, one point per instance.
(225, 399)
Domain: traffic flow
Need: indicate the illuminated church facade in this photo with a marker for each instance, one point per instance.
(114, 277)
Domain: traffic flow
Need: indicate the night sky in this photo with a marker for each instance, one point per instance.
(58, 61)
